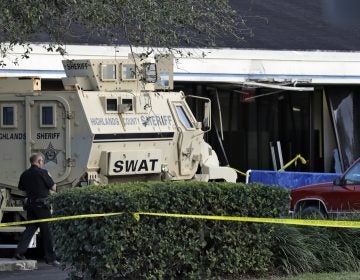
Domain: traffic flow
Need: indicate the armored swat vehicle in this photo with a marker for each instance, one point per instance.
(113, 121)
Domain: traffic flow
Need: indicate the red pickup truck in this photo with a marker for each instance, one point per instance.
(324, 199)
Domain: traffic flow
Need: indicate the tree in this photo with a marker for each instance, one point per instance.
(150, 23)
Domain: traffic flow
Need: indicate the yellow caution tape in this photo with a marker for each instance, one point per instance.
(300, 222)
(303, 161)
(294, 160)
(136, 215)
(59, 219)
(238, 171)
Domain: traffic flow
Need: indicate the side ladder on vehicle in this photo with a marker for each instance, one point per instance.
(11, 210)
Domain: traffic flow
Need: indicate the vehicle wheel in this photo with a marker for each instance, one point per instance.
(312, 212)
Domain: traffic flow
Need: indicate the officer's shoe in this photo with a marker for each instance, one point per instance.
(54, 263)
(19, 257)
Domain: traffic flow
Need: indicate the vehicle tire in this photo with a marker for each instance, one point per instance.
(312, 212)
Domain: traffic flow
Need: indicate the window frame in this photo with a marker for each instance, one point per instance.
(126, 99)
(53, 106)
(15, 116)
(352, 177)
(185, 114)
(115, 71)
(150, 76)
(123, 77)
(106, 105)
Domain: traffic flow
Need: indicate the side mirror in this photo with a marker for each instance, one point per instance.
(207, 116)
(339, 181)
(206, 110)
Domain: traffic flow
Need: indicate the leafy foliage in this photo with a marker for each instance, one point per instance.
(119, 247)
(149, 23)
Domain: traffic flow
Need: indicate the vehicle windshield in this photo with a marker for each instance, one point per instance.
(353, 175)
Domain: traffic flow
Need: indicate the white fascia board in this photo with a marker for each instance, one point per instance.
(241, 65)
(48, 64)
(218, 65)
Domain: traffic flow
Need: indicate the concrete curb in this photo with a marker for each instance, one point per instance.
(15, 265)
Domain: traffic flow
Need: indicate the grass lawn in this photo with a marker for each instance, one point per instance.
(321, 276)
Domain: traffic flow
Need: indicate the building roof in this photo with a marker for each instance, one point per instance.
(299, 40)
(279, 25)
(299, 25)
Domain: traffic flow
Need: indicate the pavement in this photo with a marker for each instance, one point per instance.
(11, 269)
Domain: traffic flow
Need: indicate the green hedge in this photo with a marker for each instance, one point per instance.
(119, 247)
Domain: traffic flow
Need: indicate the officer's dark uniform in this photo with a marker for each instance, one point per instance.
(36, 182)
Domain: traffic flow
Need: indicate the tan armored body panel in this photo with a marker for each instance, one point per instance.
(115, 120)
(24, 85)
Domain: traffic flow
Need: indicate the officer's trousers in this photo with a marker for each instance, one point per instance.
(34, 212)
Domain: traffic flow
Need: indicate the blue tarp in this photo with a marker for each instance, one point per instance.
(288, 179)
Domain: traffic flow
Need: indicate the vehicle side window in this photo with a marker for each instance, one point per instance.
(128, 72)
(8, 116)
(108, 72)
(111, 105)
(183, 117)
(353, 175)
(47, 116)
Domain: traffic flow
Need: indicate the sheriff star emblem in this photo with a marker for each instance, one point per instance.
(50, 153)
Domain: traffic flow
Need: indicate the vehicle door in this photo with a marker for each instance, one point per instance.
(48, 131)
(346, 195)
(185, 123)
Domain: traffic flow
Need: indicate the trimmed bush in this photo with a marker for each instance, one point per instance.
(120, 247)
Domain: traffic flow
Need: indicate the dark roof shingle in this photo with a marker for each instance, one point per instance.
(299, 25)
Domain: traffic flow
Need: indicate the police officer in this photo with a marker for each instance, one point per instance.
(37, 184)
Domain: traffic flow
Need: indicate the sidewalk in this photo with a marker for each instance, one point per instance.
(43, 272)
